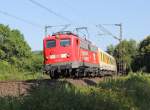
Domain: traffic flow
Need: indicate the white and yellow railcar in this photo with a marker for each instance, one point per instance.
(107, 63)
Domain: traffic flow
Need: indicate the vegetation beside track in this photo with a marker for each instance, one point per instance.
(17, 61)
(11, 73)
(125, 93)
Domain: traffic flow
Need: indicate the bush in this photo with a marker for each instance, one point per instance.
(9, 103)
(10, 72)
(135, 86)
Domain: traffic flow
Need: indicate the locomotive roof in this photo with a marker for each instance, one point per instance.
(64, 32)
(70, 33)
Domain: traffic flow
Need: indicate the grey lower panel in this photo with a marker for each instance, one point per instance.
(60, 66)
(68, 65)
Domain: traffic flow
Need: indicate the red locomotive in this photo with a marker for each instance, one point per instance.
(66, 54)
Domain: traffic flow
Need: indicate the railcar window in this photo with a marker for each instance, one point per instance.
(93, 48)
(65, 42)
(50, 43)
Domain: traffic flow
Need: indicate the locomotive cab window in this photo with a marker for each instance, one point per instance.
(65, 42)
(50, 43)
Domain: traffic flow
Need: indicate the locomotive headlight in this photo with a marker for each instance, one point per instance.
(52, 56)
(65, 55)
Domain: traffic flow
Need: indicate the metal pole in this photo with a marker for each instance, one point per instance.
(45, 31)
(120, 31)
(121, 52)
(121, 64)
(121, 67)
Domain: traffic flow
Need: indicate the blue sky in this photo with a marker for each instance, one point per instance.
(133, 14)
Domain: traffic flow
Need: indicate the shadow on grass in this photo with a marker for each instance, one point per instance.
(90, 82)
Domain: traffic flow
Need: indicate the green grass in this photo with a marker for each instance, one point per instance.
(134, 86)
(10, 103)
(11, 73)
(125, 93)
(21, 76)
(67, 97)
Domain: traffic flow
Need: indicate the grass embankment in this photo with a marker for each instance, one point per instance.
(11, 73)
(128, 93)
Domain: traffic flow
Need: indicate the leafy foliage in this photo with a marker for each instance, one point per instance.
(125, 50)
(135, 86)
(10, 72)
(17, 53)
(36, 62)
(111, 49)
(13, 44)
(136, 57)
(142, 59)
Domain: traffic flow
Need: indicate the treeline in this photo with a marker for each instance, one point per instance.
(16, 53)
(135, 56)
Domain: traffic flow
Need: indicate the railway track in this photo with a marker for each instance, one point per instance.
(20, 88)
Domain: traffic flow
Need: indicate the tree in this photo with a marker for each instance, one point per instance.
(124, 51)
(13, 48)
(142, 60)
(12, 44)
(15, 51)
(110, 49)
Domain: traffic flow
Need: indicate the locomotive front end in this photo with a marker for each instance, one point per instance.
(59, 54)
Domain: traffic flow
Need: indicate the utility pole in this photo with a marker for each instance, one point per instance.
(120, 29)
(46, 27)
(121, 68)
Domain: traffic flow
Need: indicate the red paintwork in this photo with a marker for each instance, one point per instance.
(74, 51)
(58, 50)
(88, 57)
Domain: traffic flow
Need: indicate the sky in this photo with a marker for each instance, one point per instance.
(133, 14)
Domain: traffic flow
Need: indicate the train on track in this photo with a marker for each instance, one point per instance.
(68, 55)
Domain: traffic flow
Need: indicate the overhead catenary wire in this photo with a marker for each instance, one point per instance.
(76, 12)
(20, 19)
(56, 14)
(50, 11)
(106, 31)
